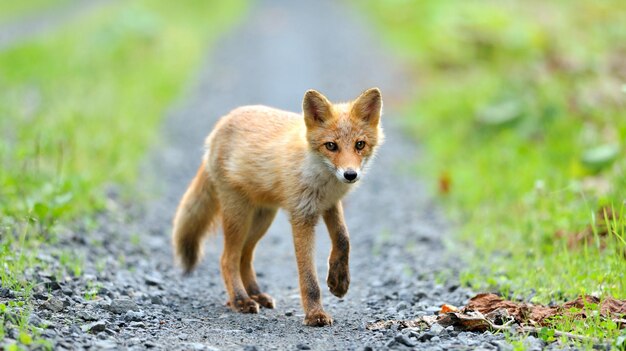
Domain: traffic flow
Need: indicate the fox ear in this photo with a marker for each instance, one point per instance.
(316, 108)
(368, 106)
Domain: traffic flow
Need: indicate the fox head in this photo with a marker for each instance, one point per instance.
(345, 136)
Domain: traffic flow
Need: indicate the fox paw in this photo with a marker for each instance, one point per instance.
(264, 300)
(245, 305)
(318, 319)
(338, 279)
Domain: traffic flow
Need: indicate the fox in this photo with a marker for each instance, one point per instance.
(258, 160)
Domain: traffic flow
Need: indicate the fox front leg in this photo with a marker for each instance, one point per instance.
(338, 279)
(303, 239)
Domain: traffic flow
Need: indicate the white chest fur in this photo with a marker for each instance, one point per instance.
(320, 188)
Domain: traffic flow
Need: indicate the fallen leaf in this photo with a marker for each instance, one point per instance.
(445, 308)
(525, 313)
(470, 321)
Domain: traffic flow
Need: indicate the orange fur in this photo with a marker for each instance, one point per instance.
(259, 159)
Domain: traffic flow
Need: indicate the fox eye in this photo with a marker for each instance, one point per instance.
(331, 146)
(360, 145)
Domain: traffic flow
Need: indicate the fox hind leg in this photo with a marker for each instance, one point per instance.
(237, 217)
(261, 221)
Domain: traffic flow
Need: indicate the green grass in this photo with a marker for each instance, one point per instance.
(78, 110)
(12, 10)
(521, 107)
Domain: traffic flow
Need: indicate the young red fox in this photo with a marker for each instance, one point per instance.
(259, 159)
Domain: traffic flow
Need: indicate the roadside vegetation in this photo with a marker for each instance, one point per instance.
(521, 107)
(78, 109)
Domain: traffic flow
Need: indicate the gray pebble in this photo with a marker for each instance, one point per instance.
(402, 305)
(404, 340)
(94, 327)
(502, 345)
(53, 304)
(6, 293)
(105, 345)
(436, 329)
(120, 306)
(134, 316)
(532, 343)
(34, 320)
(153, 279)
(142, 325)
(86, 316)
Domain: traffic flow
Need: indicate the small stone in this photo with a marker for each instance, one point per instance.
(153, 280)
(289, 313)
(86, 316)
(197, 346)
(249, 330)
(533, 343)
(52, 285)
(49, 334)
(34, 320)
(102, 291)
(120, 306)
(435, 339)
(402, 305)
(95, 327)
(502, 345)
(134, 316)
(303, 347)
(140, 325)
(426, 336)
(149, 344)
(40, 296)
(183, 336)
(251, 348)
(6, 293)
(12, 333)
(53, 304)
(368, 348)
(419, 296)
(404, 340)
(105, 345)
(75, 330)
(436, 329)
(156, 300)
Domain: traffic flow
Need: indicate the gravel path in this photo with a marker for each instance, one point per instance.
(282, 49)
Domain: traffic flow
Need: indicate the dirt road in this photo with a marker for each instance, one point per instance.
(281, 49)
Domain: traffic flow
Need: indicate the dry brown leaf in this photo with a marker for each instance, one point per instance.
(445, 308)
(471, 321)
(525, 313)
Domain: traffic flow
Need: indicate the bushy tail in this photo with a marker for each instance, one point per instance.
(195, 216)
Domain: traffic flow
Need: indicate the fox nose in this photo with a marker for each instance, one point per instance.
(350, 174)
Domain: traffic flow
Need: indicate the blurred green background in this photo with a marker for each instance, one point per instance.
(520, 107)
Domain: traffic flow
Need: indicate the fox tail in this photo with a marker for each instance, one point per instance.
(195, 217)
